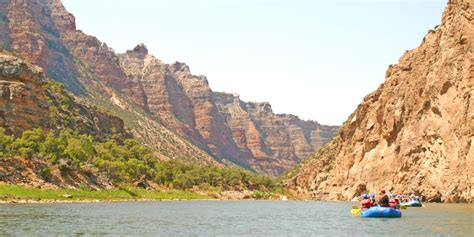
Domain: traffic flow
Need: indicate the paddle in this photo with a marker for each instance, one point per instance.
(403, 207)
(355, 210)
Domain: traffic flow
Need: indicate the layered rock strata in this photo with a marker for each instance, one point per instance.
(247, 134)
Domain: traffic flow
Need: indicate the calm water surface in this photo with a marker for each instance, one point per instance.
(228, 218)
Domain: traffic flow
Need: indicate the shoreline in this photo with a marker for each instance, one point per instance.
(19, 194)
(78, 201)
(58, 201)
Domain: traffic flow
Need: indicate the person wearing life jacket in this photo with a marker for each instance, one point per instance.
(406, 198)
(384, 200)
(393, 201)
(372, 197)
(397, 199)
(366, 202)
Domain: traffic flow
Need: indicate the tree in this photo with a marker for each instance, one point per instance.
(80, 149)
(53, 147)
(29, 143)
(5, 143)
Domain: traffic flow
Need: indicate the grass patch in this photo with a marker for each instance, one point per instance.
(16, 192)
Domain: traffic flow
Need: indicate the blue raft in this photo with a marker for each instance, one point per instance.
(378, 211)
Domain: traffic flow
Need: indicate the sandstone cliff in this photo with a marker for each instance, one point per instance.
(27, 101)
(415, 133)
(247, 134)
(276, 142)
(28, 29)
(23, 103)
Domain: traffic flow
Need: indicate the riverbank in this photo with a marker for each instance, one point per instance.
(21, 194)
(24, 194)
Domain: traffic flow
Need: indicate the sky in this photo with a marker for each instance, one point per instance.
(316, 59)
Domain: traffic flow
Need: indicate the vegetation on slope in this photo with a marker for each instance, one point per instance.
(123, 161)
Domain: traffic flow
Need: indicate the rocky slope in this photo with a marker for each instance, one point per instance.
(164, 105)
(27, 101)
(247, 134)
(415, 133)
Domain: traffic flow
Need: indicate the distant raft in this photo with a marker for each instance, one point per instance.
(412, 203)
(378, 211)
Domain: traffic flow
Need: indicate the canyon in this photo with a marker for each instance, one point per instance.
(412, 135)
(164, 105)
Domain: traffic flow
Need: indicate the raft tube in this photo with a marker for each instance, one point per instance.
(411, 204)
(377, 211)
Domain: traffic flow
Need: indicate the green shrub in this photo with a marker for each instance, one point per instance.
(28, 144)
(45, 172)
(125, 162)
(5, 143)
(260, 195)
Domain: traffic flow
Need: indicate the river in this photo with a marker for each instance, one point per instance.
(228, 218)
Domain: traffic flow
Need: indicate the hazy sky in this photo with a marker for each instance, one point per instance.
(315, 59)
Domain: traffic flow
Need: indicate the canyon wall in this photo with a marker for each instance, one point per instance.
(415, 133)
(247, 134)
(28, 101)
(23, 103)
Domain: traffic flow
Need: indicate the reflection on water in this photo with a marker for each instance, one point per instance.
(211, 218)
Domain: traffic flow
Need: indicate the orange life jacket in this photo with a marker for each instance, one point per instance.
(366, 203)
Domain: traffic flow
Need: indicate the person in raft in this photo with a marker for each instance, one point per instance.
(384, 200)
(393, 202)
(372, 197)
(366, 202)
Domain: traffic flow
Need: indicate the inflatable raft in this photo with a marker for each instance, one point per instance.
(412, 203)
(377, 211)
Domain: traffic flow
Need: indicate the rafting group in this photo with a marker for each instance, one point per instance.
(385, 206)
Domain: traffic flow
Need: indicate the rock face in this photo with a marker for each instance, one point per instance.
(23, 103)
(276, 142)
(163, 104)
(415, 133)
(27, 102)
(28, 28)
(247, 134)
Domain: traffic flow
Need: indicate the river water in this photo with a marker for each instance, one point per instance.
(228, 218)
